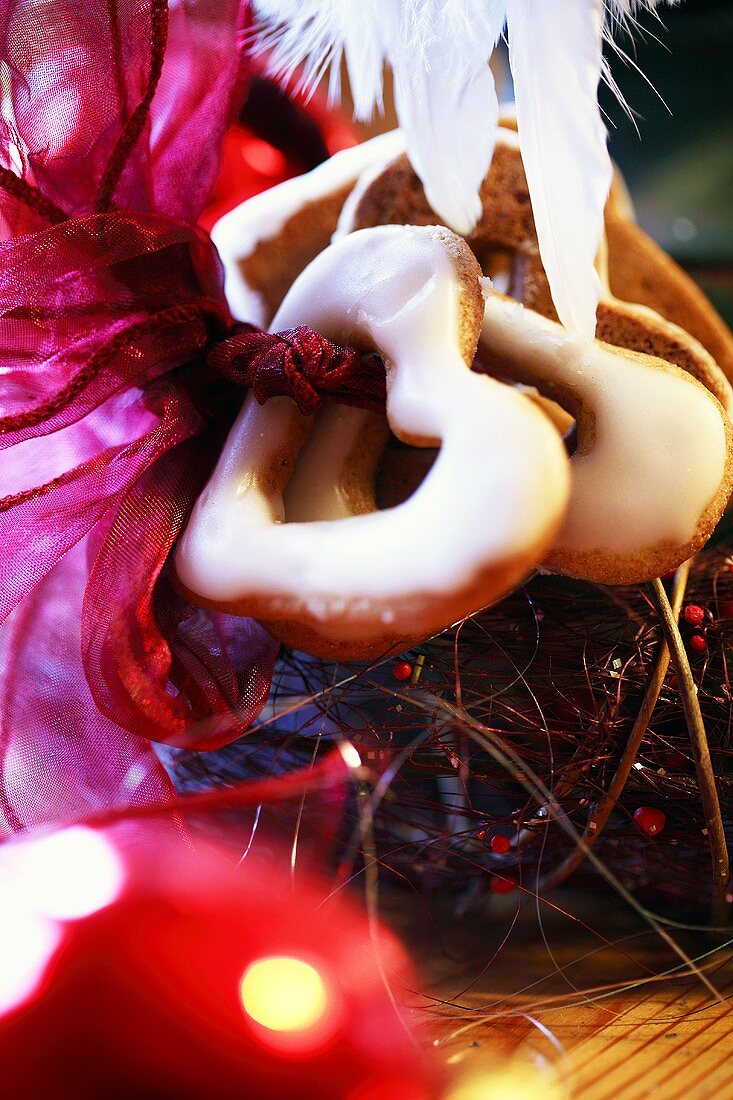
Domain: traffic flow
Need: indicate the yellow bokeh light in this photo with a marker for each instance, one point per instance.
(509, 1083)
(283, 993)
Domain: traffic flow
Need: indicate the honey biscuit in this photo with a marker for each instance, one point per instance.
(287, 531)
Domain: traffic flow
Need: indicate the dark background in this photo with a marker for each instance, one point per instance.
(679, 166)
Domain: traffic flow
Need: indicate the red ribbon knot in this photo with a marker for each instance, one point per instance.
(301, 364)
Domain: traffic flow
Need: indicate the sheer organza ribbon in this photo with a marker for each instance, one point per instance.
(111, 124)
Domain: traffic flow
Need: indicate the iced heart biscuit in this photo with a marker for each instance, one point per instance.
(651, 473)
(276, 533)
(505, 243)
(653, 467)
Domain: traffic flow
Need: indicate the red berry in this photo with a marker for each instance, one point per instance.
(502, 885)
(481, 834)
(693, 614)
(500, 844)
(673, 760)
(402, 670)
(698, 644)
(650, 820)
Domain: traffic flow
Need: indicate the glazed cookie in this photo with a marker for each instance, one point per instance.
(504, 240)
(639, 271)
(505, 244)
(653, 466)
(286, 529)
(611, 493)
(266, 241)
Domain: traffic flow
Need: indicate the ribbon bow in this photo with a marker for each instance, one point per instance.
(301, 364)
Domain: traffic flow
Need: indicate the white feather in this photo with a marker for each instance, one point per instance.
(556, 57)
(316, 35)
(439, 52)
(627, 9)
(448, 110)
(312, 37)
(446, 103)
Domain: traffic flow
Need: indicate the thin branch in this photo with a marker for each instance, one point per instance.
(598, 820)
(700, 752)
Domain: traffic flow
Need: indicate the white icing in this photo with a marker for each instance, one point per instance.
(724, 390)
(261, 218)
(238, 233)
(496, 490)
(316, 489)
(658, 453)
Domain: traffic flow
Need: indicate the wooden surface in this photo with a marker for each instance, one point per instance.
(554, 1012)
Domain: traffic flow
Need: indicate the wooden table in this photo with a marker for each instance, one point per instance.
(581, 1001)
